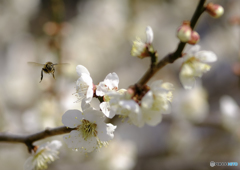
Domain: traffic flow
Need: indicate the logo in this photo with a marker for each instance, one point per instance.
(212, 163)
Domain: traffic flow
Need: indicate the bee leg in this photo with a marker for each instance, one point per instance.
(41, 76)
(53, 75)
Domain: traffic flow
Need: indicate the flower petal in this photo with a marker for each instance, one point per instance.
(72, 118)
(105, 107)
(112, 80)
(147, 100)
(187, 81)
(149, 34)
(93, 115)
(194, 49)
(206, 56)
(81, 69)
(152, 118)
(105, 131)
(55, 144)
(102, 89)
(85, 105)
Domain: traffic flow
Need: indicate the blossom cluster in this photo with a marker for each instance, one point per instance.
(139, 104)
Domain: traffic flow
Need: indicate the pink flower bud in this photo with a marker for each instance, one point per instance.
(214, 10)
(184, 32)
(194, 38)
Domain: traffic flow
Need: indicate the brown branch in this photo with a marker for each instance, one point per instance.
(170, 58)
(29, 139)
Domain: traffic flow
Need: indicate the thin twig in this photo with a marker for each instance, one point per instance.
(29, 139)
(170, 58)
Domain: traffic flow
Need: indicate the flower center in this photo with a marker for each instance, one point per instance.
(88, 129)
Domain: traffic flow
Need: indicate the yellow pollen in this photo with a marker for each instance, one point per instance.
(87, 129)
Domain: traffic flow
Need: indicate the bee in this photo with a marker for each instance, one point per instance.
(47, 68)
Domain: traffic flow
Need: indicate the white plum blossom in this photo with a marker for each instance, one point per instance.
(156, 102)
(84, 84)
(120, 103)
(120, 155)
(195, 65)
(149, 110)
(139, 48)
(110, 83)
(191, 105)
(230, 113)
(91, 131)
(45, 154)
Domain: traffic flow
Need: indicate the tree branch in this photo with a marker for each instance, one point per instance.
(170, 58)
(29, 139)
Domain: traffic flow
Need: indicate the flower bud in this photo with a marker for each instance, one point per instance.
(184, 32)
(214, 10)
(194, 38)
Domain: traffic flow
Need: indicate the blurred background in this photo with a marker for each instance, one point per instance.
(203, 124)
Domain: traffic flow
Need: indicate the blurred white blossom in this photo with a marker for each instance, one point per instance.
(191, 104)
(156, 101)
(120, 155)
(195, 65)
(230, 113)
(45, 154)
(91, 130)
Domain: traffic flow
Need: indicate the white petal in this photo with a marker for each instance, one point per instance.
(93, 116)
(149, 33)
(112, 80)
(201, 68)
(156, 85)
(152, 118)
(147, 100)
(55, 144)
(168, 86)
(136, 118)
(130, 105)
(105, 131)
(206, 56)
(229, 107)
(72, 139)
(84, 87)
(102, 89)
(72, 118)
(89, 95)
(88, 145)
(187, 81)
(135, 114)
(194, 49)
(105, 107)
(29, 165)
(81, 69)
(85, 105)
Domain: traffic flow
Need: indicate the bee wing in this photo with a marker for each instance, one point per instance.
(35, 64)
(61, 64)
